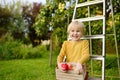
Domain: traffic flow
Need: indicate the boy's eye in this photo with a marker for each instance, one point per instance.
(72, 30)
(75, 30)
(78, 31)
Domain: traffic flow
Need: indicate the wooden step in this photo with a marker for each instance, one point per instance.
(94, 78)
(97, 57)
(93, 36)
(88, 3)
(89, 18)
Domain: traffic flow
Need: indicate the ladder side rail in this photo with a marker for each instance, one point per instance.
(117, 53)
(104, 25)
(103, 63)
(104, 32)
(91, 64)
(74, 10)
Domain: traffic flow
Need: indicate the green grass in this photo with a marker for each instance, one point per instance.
(31, 69)
(39, 69)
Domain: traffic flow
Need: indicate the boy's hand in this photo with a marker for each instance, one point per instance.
(63, 67)
(79, 68)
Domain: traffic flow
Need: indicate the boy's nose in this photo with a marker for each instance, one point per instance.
(75, 32)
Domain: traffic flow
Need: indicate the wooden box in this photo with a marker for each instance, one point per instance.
(70, 75)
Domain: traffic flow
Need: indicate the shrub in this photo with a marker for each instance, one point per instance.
(32, 52)
(14, 49)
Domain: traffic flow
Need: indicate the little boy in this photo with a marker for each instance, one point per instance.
(76, 50)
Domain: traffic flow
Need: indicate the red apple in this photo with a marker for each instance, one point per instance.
(64, 66)
(70, 67)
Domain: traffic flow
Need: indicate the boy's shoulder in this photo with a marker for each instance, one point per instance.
(66, 41)
(83, 41)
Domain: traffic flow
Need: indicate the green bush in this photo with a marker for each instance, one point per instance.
(7, 47)
(26, 52)
(14, 49)
(17, 50)
(7, 50)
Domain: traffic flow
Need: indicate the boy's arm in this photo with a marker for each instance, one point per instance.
(61, 54)
(85, 52)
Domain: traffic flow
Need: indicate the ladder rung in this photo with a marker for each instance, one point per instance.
(89, 3)
(93, 37)
(89, 19)
(110, 34)
(96, 57)
(94, 78)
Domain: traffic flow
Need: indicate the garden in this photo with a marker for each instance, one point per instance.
(24, 28)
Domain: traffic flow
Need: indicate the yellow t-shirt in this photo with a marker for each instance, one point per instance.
(74, 51)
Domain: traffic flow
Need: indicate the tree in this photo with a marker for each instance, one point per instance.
(11, 20)
(29, 15)
(52, 15)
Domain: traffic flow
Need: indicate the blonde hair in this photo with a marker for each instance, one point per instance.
(76, 24)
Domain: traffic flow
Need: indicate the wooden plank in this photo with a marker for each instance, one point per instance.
(70, 75)
(88, 3)
(94, 78)
(89, 19)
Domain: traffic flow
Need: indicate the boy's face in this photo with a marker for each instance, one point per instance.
(75, 33)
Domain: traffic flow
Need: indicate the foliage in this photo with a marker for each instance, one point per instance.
(51, 16)
(11, 20)
(19, 19)
(5, 16)
(29, 14)
(117, 24)
(7, 47)
(14, 49)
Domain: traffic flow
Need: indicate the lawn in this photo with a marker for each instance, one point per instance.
(30, 69)
(39, 69)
